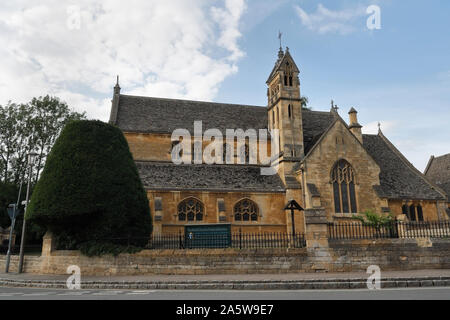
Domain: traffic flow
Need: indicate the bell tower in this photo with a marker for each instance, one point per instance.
(285, 112)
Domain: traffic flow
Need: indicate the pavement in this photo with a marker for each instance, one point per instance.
(299, 281)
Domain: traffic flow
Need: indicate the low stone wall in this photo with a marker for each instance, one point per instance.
(390, 254)
(170, 262)
(340, 256)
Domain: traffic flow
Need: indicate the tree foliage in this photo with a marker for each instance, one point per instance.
(8, 195)
(30, 127)
(304, 103)
(370, 218)
(90, 192)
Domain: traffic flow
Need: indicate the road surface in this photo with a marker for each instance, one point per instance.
(223, 295)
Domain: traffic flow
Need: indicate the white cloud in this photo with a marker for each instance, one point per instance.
(175, 48)
(328, 21)
(372, 127)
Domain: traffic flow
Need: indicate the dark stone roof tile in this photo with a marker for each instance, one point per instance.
(168, 176)
(398, 180)
(157, 115)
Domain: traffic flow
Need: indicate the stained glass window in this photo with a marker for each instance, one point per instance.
(343, 180)
(192, 209)
(246, 210)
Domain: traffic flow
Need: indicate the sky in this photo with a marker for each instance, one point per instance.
(224, 50)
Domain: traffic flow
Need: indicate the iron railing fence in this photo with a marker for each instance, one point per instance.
(397, 229)
(238, 240)
(235, 240)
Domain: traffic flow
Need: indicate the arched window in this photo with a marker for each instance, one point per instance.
(190, 209)
(244, 154)
(197, 151)
(343, 180)
(290, 111)
(246, 210)
(226, 153)
(412, 213)
(420, 213)
(288, 76)
(405, 210)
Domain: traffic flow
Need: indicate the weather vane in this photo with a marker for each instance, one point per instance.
(279, 37)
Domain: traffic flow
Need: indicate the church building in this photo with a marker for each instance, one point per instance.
(323, 162)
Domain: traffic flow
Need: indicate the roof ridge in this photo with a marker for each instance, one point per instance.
(203, 164)
(194, 101)
(370, 134)
(316, 111)
(430, 162)
(443, 156)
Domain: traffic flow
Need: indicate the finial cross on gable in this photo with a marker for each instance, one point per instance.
(334, 106)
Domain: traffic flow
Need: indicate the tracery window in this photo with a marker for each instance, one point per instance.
(246, 210)
(343, 180)
(244, 154)
(190, 209)
(226, 153)
(414, 213)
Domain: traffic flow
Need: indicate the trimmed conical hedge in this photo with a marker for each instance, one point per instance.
(90, 194)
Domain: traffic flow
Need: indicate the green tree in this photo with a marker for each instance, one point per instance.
(8, 195)
(90, 193)
(304, 103)
(31, 127)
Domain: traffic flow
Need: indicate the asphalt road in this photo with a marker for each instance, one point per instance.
(384, 294)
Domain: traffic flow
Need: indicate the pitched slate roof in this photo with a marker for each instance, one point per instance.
(157, 115)
(398, 178)
(438, 171)
(168, 176)
(315, 123)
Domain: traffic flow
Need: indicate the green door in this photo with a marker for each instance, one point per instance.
(208, 236)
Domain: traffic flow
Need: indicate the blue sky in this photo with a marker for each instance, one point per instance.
(398, 75)
(224, 50)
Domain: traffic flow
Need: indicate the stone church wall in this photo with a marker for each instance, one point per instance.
(430, 209)
(272, 217)
(338, 144)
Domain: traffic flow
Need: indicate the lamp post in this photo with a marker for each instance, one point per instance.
(31, 157)
(293, 206)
